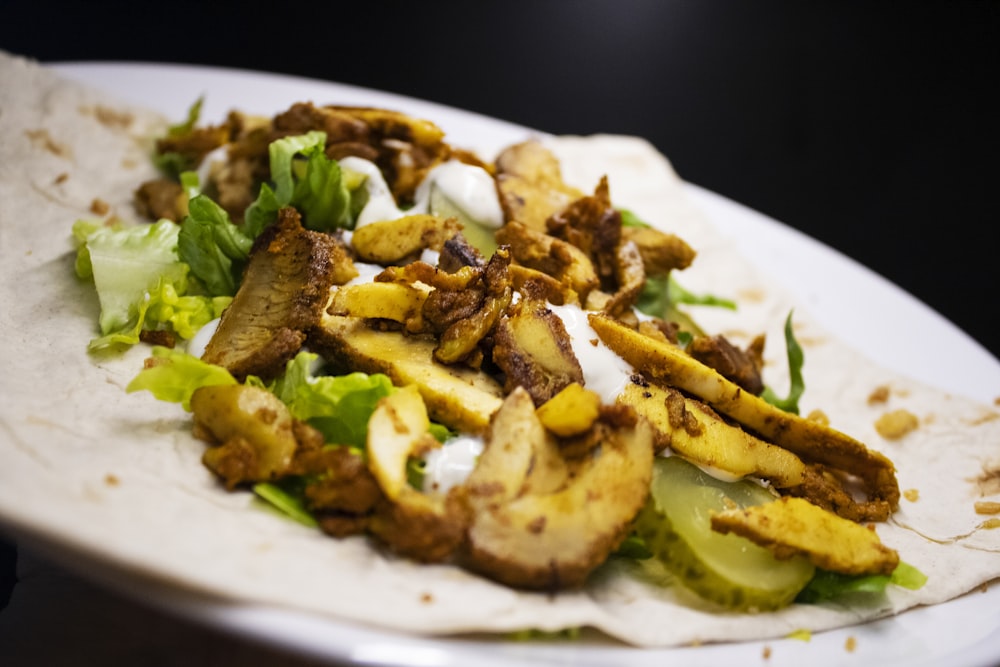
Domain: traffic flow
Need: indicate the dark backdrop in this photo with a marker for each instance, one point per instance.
(871, 126)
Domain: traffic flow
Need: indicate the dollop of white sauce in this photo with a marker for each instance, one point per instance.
(196, 346)
(604, 371)
(366, 273)
(450, 187)
(466, 187)
(450, 464)
(220, 154)
(381, 204)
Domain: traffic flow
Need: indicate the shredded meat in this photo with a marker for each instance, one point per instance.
(594, 226)
(463, 307)
(734, 364)
(403, 147)
(194, 144)
(547, 254)
(160, 199)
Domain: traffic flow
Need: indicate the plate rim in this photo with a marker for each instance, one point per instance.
(238, 625)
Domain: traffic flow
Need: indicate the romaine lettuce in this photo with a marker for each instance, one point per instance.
(175, 375)
(316, 188)
(216, 249)
(338, 406)
(125, 263)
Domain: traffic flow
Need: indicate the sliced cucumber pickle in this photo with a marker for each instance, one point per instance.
(726, 569)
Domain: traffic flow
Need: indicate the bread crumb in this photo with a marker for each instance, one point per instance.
(61, 178)
(99, 207)
(112, 118)
(851, 644)
(111, 480)
(987, 507)
(426, 598)
(819, 417)
(766, 653)
(42, 139)
(895, 424)
(879, 395)
(990, 524)
(913, 495)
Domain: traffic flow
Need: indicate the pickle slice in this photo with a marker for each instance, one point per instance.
(726, 569)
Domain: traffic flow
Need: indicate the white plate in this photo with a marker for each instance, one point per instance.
(849, 300)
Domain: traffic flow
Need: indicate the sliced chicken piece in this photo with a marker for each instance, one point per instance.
(283, 293)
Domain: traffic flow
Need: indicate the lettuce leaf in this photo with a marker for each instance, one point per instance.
(173, 163)
(322, 195)
(338, 406)
(174, 376)
(125, 263)
(316, 188)
(287, 497)
(184, 313)
(216, 249)
(827, 585)
(796, 359)
(264, 210)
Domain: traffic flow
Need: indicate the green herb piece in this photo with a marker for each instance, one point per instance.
(630, 219)
(287, 497)
(796, 359)
(662, 294)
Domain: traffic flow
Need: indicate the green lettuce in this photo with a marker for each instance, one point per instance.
(173, 163)
(826, 585)
(141, 282)
(338, 406)
(216, 249)
(174, 376)
(316, 187)
(288, 498)
(185, 314)
(796, 359)
(128, 266)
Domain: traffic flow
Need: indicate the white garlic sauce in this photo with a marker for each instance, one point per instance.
(451, 188)
(604, 372)
(450, 464)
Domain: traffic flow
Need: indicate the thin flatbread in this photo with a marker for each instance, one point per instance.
(92, 470)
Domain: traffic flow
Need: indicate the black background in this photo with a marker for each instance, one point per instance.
(870, 126)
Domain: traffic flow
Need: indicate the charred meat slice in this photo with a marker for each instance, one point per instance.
(593, 225)
(282, 296)
(661, 252)
(547, 254)
(732, 363)
(530, 185)
(532, 348)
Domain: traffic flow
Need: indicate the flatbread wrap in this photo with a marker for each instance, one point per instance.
(119, 476)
